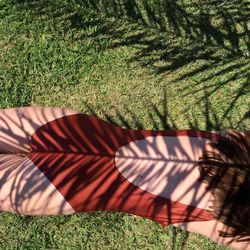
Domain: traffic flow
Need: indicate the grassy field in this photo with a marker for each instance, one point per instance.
(149, 64)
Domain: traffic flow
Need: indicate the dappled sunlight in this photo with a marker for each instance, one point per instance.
(101, 56)
(24, 190)
(77, 152)
(189, 45)
(79, 163)
(163, 166)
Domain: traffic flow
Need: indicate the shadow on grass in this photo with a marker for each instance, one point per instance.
(171, 35)
(206, 42)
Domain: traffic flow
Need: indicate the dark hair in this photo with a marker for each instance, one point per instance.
(226, 169)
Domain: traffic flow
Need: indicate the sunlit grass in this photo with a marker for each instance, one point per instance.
(133, 73)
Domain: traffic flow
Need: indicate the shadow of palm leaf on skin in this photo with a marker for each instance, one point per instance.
(179, 238)
(164, 118)
(205, 58)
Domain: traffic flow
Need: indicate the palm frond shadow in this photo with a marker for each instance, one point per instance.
(184, 38)
(167, 122)
(208, 41)
(21, 191)
(212, 41)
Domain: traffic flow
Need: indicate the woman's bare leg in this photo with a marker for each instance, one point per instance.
(24, 189)
(18, 124)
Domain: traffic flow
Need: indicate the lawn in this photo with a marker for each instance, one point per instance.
(153, 64)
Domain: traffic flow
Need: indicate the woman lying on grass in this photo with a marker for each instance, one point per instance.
(60, 161)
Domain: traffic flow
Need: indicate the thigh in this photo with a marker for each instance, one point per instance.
(18, 124)
(24, 189)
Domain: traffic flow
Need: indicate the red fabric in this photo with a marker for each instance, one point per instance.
(76, 153)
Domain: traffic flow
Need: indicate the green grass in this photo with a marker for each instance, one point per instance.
(184, 64)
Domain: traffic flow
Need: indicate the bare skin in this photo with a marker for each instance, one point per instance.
(24, 188)
(19, 194)
(18, 124)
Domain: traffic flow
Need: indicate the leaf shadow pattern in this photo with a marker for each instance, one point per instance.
(206, 42)
(22, 191)
(167, 121)
(177, 56)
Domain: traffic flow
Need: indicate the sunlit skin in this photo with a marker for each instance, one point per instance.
(151, 164)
